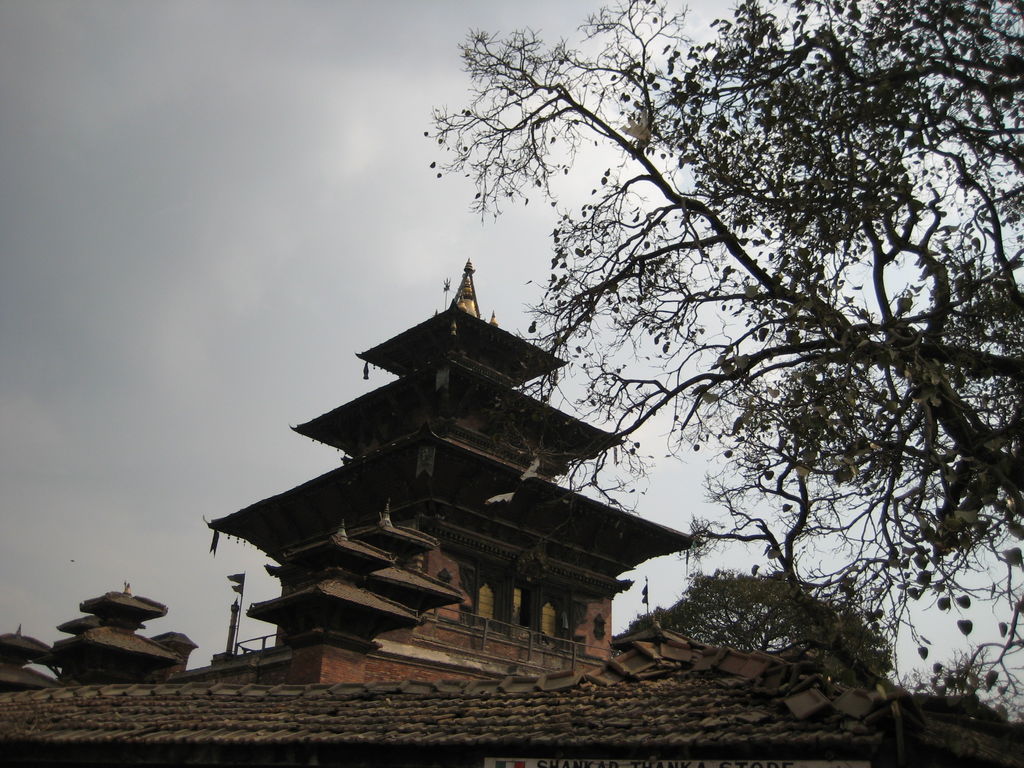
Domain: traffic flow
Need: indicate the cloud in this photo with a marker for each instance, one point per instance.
(205, 209)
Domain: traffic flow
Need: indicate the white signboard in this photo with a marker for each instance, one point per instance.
(598, 762)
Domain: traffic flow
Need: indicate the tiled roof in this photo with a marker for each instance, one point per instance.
(352, 552)
(17, 678)
(667, 696)
(111, 637)
(676, 712)
(342, 592)
(399, 533)
(175, 638)
(78, 625)
(21, 647)
(124, 604)
(419, 582)
(515, 358)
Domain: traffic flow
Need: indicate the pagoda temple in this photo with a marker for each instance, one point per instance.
(104, 646)
(443, 546)
(16, 651)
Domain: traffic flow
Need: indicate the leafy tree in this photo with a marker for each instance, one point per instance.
(751, 613)
(802, 242)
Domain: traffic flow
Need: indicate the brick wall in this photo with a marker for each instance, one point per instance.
(597, 646)
(437, 561)
(268, 668)
(468, 657)
(388, 670)
(327, 664)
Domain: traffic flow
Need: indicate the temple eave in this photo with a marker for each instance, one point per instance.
(357, 493)
(431, 340)
(338, 594)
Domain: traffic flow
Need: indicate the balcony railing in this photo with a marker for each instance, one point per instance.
(485, 629)
(471, 439)
(526, 637)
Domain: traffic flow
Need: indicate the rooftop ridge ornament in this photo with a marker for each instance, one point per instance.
(465, 297)
(385, 515)
(341, 530)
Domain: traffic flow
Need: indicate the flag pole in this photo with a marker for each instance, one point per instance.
(237, 586)
(232, 629)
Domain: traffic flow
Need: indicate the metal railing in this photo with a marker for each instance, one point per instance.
(243, 647)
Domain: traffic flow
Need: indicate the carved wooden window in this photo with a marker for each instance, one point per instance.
(549, 619)
(485, 602)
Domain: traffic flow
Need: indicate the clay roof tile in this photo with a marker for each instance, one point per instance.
(518, 684)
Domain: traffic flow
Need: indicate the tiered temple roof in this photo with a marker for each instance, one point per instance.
(104, 646)
(17, 650)
(449, 474)
(344, 592)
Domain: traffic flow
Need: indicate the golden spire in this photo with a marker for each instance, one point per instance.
(465, 297)
(494, 319)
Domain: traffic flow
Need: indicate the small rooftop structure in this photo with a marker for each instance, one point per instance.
(123, 609)
(104, 646)
(17, 650)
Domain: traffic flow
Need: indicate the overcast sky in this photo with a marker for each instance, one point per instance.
(206, 208)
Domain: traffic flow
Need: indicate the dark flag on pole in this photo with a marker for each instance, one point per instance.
(239, 581)
(646, 596)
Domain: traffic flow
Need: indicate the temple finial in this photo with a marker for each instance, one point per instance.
(494, 319)
(385, 516)
(465, 297)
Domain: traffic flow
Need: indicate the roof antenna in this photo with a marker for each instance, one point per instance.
(447, 288)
